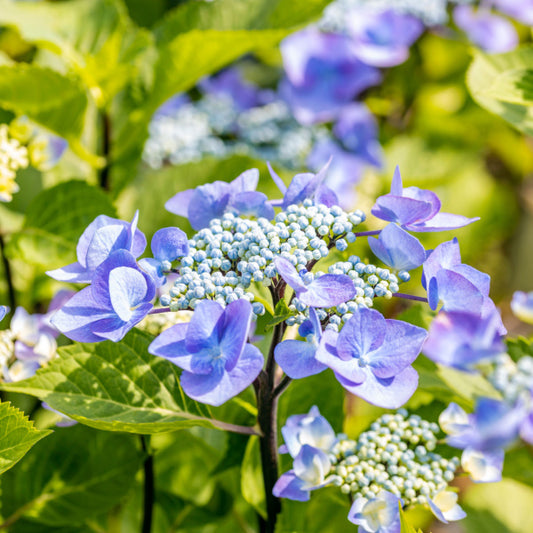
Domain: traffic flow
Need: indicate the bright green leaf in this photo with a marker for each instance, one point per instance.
(17, 435)
(502, 83)
(73, 475)
(281, 313)
(252, 486)
(519, 347)
(116, 387)
(405, 526)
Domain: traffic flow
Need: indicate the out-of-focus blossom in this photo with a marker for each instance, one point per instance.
(522, 306)
(323, 74)
(521, 10)
(382, 39)
(45, 150)
(461, 339)
(483, 467)
(490, 32)
(13, 156)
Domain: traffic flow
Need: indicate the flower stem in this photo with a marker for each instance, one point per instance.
(8, 276)
(106, 149)
(159, 310)
(149, 493)
(368, 233)
(410, 297)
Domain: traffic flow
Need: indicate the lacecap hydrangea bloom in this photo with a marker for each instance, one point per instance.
(250, 256)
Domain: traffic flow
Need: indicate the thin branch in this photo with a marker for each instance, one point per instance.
(106, 150)
(8, 275)
(410, 297)
(159, 310)
(149, 492)
(282, 385)
(368, 233)
(234, 428)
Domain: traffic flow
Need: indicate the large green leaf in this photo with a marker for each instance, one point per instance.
(502, 83)
(56, 218)
(53, 100)
(238, 15)
(116, 387)
(17, 435)
(73, 475)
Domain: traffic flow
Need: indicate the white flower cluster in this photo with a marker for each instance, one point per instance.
(513, 380)
(13, 157)
(397, 455)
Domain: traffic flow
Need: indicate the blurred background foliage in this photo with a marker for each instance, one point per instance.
(94, 72)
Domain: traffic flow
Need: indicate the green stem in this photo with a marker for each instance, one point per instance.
(149, 493)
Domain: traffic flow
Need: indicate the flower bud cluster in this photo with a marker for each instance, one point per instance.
(513, 380)
(156, 323)
(13, 156)
(397, 455)
(232, 253)
(214, 126)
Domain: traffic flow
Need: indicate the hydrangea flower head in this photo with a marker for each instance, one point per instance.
(415, 209)
(487, 30)
(323, 74)
(213, 351)
(383, 38)
(521, 10)
(372, 357)
(101, 238)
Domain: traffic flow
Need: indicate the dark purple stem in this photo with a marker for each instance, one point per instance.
(410, 297)
(159, 310)
(368, 233)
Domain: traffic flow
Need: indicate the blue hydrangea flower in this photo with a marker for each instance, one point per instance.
(493, 426)
(212, 200)
(102, 237)
(119, 297)
(323, 74)
(311, 429)
(522, 306)
(305, 186)
(383, 38)
(372, 357)
(328, 290)
(212, 349)
(3, 311)
(445, 507)
(487, 30)
(415, 209)
(310, 468)
(453, 419)
(483, 467)
(380, 514)
(521, 10)
(397, 248)
(297, 358)
(460, 287)
(168, 244)
(461, 340)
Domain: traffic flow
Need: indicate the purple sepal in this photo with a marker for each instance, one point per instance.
(290, 486)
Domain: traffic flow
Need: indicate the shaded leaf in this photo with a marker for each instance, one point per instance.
(75, 474)
(252, 487)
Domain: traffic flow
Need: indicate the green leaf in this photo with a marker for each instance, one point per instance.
(252, 487)
(504, 507)
(519, 347)
(116, 387)
(17, 435)
(237, 15)
(75, 474)
(52, 100)
(518, 465)
(56, 219)
(281, 313)
(502, 83)
(405, 526)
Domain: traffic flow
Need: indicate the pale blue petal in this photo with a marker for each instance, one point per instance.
(201, 333)
(127, 289)
(169, 243)
(297, 359)
(290, 486)
(73, 273)
(328, 290)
